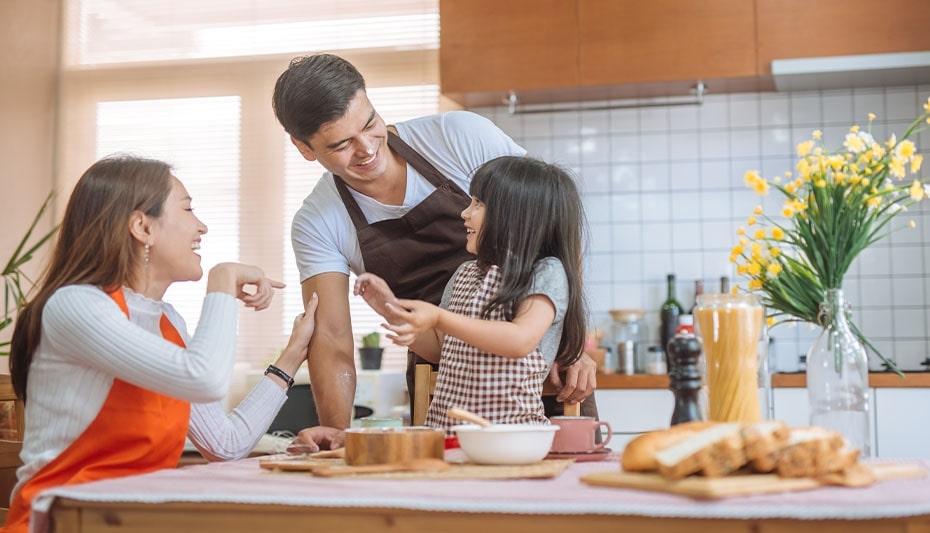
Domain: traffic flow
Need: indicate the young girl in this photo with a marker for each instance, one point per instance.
(506, 316)
(112, 381)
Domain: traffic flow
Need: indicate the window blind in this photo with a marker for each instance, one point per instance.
(191, 82)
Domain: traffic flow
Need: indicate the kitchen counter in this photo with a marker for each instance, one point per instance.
(779, 380)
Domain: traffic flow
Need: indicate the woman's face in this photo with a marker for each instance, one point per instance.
(175, 239)
(473, 215)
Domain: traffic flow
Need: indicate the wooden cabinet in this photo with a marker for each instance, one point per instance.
(572, 50)
(631, 41)
(496, 46)
(790, 29)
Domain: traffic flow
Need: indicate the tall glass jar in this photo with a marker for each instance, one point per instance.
(629, 340)
(730, 326)
(838, 376)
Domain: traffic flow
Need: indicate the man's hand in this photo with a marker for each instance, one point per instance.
(321, 438)
(580, 380)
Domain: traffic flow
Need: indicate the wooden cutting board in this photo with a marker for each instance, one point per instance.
(302, 463)
(736, 485)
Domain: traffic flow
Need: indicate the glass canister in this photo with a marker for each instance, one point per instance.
(629, 340)
(730, 326)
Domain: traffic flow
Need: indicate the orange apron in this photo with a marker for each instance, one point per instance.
(136, 431)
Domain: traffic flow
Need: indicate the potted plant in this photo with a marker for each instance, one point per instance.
(16, 283)
(371, 351)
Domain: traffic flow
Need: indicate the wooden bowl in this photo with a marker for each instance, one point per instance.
(376, 446)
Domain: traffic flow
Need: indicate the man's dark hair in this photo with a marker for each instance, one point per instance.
(312, 91)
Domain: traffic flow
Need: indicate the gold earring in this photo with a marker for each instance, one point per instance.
(148, 245)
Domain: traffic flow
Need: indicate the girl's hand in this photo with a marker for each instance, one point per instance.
(408, 319)
(246, 282)
(375, 292)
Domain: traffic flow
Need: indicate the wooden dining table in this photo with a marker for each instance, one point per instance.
(242, 497)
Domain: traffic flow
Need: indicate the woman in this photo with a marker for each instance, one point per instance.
(112, 381)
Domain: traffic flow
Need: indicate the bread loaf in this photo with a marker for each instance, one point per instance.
(764, 442)
(716, 449)
(640, 453)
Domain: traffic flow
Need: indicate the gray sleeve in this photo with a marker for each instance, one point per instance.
(447, 292)
(550, 280)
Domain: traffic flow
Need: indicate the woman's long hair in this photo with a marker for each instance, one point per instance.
(533, 211)
(94, 245)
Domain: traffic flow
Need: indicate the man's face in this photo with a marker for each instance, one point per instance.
(354, 146)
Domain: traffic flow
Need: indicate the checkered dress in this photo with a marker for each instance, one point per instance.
(501, 389)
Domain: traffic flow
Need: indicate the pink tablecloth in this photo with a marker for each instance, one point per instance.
(244, 482)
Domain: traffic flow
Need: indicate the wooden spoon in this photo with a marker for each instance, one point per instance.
(425, 464)
(468, 416)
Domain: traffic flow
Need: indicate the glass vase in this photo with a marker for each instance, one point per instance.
(838, 376)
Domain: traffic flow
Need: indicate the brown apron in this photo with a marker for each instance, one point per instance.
(418, 253)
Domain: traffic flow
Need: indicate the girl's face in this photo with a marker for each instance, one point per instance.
(473, 215)
(175, 239)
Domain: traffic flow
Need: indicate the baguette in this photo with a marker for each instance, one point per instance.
(640, 453)
(813, 452)
(764, 443)
(715, 451)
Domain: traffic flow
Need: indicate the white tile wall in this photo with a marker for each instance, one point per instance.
(663, 189)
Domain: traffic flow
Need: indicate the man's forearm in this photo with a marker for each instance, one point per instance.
(332, 380)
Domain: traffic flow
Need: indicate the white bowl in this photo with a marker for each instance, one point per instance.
(506, 444)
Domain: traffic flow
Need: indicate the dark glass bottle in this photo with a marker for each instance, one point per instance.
(698, 290)
(668, 315)
(724, 285)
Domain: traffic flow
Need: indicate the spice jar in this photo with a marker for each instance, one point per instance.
(655, 360)
(629, 340)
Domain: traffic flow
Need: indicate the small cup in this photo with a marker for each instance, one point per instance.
(377, 422)
(576, 434)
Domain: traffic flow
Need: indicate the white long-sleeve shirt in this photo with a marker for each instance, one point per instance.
(87, 342)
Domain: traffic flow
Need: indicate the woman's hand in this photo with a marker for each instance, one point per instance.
(375, 292)
(246, 282)
(298, 345)
(408, 319)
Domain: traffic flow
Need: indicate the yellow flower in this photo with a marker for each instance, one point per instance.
(761, 187)
(757, 210)
(759, 234)
(750, 221)
(787, 211)
(927, 106)
(770, 321)
(790, 188)
(756, 249)
(874, 201)
(817, 134)
(778, 233)
(805, 148)
(905, 149)
(741, 230)
(897, 168)
(911, 224)
(916, 191)
(774, 269)
(742, 269)
(737, 250)
(775, 252)
(755, 284)
(821, 183)
(891, 141)
(871, 117)
(916, 161)
(750, 177)
(854, 129)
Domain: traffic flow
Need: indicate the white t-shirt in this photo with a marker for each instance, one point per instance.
(456, 143)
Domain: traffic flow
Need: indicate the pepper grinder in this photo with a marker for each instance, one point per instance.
(684, 353)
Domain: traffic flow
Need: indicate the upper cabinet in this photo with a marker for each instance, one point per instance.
(791, 29)
(631, 41)
(493, 46)
(573, 50)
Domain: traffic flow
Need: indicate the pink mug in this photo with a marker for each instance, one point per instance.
(576, 434)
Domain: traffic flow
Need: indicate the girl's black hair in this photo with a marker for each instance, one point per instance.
(532, 211)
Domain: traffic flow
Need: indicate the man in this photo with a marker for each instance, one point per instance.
(390, 204)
